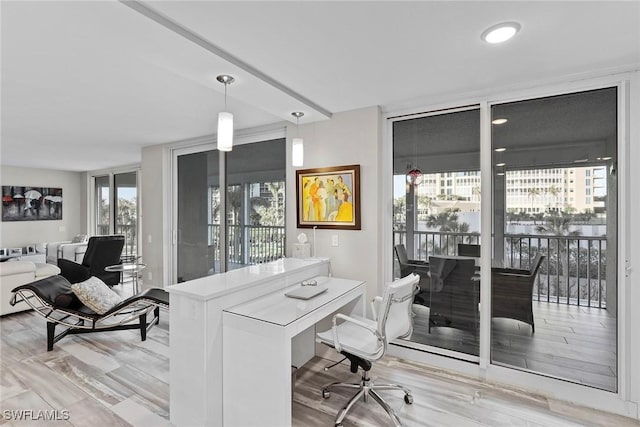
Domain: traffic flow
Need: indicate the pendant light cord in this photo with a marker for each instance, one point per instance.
(225, 96)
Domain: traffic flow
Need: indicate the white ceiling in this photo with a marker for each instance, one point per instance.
(85, 85)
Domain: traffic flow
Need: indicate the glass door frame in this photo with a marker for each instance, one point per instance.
(198, 146)
(596, 398)
(465, 108)
(92, 222)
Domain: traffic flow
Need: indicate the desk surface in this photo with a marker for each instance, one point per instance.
(280, 310)
(217, 285)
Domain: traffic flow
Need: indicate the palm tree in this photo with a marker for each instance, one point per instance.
(269, 213)
(532, 192)
(447, 221)
(399, 213)
(554, 191)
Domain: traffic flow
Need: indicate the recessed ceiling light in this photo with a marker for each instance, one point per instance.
(500, 150)
(500, 164)
(499, 121)
(500, 32)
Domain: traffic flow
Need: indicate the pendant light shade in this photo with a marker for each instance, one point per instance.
(414, 177)
(225, 119)
(297, 153)
(297, 148)
(225, 131)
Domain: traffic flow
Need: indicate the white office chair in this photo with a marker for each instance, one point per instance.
(363, 341)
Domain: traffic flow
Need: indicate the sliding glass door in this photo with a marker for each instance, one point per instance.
(116, 208)
(102, 208)
(555, 228)
(436, 202)
(554, 236)
(126, 211)
(254, 218)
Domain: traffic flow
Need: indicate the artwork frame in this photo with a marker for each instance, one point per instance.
(321, 194)
(31, 203)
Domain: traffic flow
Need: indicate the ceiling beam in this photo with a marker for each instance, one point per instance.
(171, 25)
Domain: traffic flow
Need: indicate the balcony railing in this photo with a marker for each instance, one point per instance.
(265, 243)
(573, 271)
(130, 237)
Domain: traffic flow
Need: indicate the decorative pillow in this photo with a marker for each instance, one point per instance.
(96, 295)
(80, 238)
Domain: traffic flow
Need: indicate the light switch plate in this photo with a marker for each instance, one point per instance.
(334, 240)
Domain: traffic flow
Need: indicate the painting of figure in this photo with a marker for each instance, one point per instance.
(22, 203)
(329, 197)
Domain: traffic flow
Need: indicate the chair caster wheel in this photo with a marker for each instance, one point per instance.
(326, 394)
(338, 425)
(408, 399)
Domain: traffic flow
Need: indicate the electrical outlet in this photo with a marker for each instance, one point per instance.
(334, 240)
(149, 276)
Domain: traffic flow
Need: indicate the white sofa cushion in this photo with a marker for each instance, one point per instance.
(46, 270)
(17, 267)
(18, 273)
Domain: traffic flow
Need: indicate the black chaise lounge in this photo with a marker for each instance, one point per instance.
(53, 299)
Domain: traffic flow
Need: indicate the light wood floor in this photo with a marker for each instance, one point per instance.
(573, 343)
(114, 379)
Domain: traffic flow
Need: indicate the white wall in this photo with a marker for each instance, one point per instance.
(352, 137)
(155, 209)
(21, 233)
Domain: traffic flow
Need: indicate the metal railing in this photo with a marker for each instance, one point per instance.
(265, 243)
(573, 272)
(130, 232)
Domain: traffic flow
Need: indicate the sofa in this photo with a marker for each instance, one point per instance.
(72, 250)
(17, 273)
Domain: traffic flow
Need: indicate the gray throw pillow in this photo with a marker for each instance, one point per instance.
(96, 295)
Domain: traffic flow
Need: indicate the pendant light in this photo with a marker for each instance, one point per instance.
(297, 151)
(414, 177)
(225, 119)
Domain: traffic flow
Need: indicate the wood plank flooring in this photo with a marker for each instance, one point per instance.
(573, 343)
(114, 379)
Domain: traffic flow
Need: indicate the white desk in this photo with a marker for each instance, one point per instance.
(195, 323)
(258, 340)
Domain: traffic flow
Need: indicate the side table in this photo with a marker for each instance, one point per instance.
(133, 268)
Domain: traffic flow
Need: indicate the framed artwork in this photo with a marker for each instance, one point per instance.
(328, 197)
(21, 203)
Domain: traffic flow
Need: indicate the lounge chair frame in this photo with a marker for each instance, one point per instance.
(135, 308)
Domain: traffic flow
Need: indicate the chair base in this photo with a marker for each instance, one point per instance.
(143, 325)
(367, 388)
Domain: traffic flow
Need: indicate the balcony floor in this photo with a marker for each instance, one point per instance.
(573, 343)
